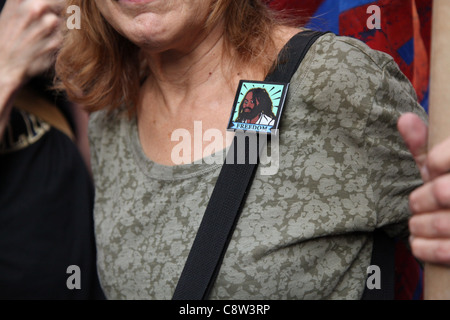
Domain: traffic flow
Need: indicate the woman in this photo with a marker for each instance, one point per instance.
(151, 67)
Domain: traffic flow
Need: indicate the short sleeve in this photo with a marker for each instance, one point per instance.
(345, 102)
(392, 169)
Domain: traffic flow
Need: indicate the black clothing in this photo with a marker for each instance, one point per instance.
(46, 222)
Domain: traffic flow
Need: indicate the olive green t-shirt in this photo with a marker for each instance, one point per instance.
(305, 232)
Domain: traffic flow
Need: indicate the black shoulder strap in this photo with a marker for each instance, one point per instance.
(228, 197)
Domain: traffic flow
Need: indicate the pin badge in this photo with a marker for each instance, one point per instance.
(258, 106)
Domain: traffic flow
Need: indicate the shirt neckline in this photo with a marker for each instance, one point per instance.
(164, 172)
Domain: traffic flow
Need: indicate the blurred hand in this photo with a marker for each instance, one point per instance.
(30, 35)
(430, 204)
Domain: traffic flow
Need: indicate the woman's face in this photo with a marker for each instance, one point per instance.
(157, 25)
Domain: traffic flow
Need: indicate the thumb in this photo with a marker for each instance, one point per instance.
(415, 134)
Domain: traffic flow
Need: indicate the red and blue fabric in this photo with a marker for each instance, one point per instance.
(405, 31)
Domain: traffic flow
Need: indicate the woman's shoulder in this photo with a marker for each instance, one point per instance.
(343, 83)
(343, 63)
(330, 45)
(106, 124)
(352, 51)
(109, 139)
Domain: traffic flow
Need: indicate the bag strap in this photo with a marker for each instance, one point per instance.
(228, 197)
(29, 101)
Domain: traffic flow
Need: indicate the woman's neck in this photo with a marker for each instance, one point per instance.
(178, 77)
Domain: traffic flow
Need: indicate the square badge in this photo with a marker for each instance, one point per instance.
(258, 106)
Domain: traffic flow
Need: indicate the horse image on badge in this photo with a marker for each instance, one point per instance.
(258, 106)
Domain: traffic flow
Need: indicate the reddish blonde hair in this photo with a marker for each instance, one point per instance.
(100, 69)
